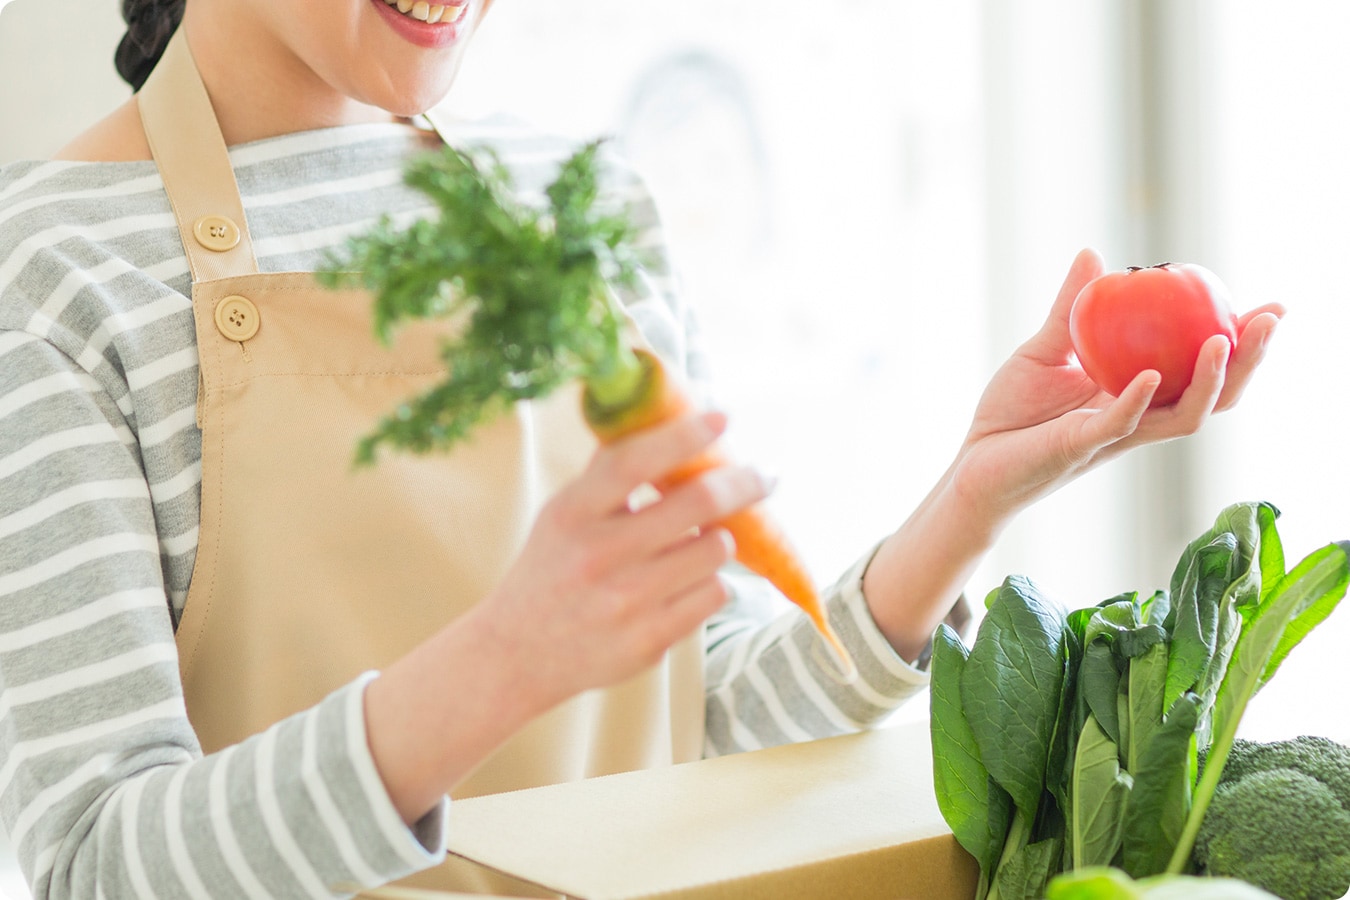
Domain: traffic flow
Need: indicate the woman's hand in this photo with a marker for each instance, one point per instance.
(1043, 422)
(600, 591)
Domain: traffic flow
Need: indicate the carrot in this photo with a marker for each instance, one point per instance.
(533, 288)
(761, 545)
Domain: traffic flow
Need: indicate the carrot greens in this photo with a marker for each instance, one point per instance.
(527, 284)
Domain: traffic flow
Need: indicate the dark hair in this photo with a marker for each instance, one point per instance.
(150, 24)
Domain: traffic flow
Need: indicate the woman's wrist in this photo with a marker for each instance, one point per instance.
(435, 714)
(919, 572)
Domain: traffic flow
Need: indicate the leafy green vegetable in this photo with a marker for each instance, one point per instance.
(1287, 612)
(1100, 792)
(1144, 698)
(1016, 654)
(1091, 723)
(977, 809)
(1194, 621)
(1099, 680)
(1024, 875)
(1156, 811)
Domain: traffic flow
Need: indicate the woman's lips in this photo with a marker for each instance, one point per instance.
(423, 23)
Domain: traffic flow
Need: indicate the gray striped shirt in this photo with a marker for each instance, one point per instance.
(104, 790)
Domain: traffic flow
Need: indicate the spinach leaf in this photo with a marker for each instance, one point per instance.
(1103, 883)
(1158, 805)
(1011, 687)
(1121, 624)
(1257, 566)
(1025, 875)
(1100, 790)
(1099, 680)
(1144, 697)
(1294, 606)
(974, 806)
(1303, 618)
(1194, 620)
(1155, 610)
(1064, 737)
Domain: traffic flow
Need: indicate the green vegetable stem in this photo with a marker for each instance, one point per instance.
(1072, 741)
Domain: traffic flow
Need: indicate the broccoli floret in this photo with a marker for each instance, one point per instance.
(1316, 757)
(1280, 820)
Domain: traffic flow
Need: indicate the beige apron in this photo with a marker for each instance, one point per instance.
(309, 572)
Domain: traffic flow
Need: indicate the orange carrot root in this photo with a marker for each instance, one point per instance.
(761, 545)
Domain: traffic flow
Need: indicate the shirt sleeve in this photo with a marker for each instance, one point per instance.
(771, 679)
(104, 790)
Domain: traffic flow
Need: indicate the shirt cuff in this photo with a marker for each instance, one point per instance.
(399, 850)
(858, 614)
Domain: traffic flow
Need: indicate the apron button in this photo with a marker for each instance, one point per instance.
(216, 233)
(237, 318)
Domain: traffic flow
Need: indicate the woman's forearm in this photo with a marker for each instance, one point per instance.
(439, 711)
(919, 572)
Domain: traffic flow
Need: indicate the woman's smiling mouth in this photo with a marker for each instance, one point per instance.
(430, 13)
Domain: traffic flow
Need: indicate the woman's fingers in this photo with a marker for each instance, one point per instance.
(1207, 381)
(682, 615)
(1255, 331)
(1119, 418)
(1275, 309)
(1051, 344)
(695, 504)
(681, 567)
(620, 468)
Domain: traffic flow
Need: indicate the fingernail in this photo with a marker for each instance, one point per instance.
(715, 421)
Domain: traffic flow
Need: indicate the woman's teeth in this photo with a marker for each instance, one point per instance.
(427, 12)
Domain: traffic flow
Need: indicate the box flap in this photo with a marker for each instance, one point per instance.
(666, 831)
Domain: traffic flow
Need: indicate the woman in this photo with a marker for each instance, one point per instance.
(233, 667)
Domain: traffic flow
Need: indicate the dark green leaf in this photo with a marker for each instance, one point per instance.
(1100, 790)
(1155, 610)
(1025, 875)
(1147, 681)
(1011, 687)
(1195, 613)
(1288, 611)
(1099, 680)
(1159, 802)
(1257, 567)
(1059, 761)
(966, 795)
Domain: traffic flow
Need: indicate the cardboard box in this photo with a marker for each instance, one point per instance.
(848, 817)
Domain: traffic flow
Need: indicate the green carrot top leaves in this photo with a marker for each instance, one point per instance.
(529, 285)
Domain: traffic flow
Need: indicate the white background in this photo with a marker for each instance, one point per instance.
(874, 201)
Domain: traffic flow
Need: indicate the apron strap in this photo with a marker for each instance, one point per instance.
(180, 125)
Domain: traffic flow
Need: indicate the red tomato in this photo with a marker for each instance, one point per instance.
(1155, 318)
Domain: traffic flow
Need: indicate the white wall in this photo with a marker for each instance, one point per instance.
(1283, 85)
(56, 72)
